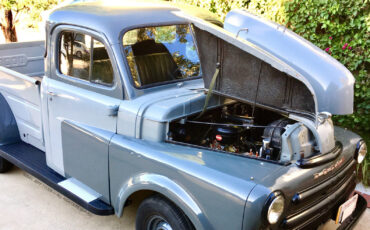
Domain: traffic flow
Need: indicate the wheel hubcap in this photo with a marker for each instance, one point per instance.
(158, 223)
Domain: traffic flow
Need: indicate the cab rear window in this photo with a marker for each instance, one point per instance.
(161, 54)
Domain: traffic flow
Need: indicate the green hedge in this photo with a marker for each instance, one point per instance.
(341, 28)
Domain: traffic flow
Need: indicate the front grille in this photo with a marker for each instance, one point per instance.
(311, 204)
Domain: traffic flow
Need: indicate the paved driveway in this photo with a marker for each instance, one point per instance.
(26, 203)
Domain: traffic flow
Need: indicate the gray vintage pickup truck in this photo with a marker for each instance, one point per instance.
(215, 128)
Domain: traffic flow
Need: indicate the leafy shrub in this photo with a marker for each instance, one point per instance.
(341, 28)
(219, 7)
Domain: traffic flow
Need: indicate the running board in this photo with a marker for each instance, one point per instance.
(33, 161)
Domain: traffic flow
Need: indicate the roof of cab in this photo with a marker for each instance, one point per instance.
(112, 19)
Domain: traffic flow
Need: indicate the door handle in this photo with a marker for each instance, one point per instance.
(113, 110)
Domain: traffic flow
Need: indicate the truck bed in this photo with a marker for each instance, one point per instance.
(21, 71)
(24, 57)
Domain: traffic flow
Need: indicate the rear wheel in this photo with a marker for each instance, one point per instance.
(4, 165)
(157, 213)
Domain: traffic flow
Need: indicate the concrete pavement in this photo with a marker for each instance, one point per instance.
(27, 203)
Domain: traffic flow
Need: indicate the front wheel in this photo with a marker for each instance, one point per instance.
(4, 165)
(157, 213)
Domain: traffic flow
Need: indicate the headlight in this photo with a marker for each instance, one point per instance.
(361, 151)
(275, 209)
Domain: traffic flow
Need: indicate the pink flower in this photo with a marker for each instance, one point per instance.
(331, 38)
(345, 46)
(350, 47)
(327, 49)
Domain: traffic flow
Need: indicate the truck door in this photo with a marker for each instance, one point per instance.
(83, 95)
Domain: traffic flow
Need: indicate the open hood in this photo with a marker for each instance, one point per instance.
(298, 78)
(331, 82)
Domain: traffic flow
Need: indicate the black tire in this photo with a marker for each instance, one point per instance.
(157, 208)
(4, 165)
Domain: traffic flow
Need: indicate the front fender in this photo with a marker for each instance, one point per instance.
(168, 188)
(211, 188)
(253, 218)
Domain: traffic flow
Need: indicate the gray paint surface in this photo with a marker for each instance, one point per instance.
(327, 84)
(332, 82)
(26, 57)
(205, 184)
(85, 155)
(112, 19)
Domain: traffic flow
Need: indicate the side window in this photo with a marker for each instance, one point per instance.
(74, 55)
(102, 71)
(84, 57)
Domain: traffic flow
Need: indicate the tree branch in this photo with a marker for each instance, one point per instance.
(2, 18)
(18, 12)
(16, 16)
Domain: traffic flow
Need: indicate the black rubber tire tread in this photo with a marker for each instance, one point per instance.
(160, 206)
(4, 165)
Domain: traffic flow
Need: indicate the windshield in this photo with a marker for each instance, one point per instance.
(161, 54)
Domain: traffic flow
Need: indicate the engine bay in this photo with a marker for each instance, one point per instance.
(245, 130)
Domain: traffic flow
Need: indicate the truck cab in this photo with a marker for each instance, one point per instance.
(219, 129)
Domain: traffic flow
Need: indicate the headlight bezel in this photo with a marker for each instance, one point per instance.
(359, 148)
(268, 204)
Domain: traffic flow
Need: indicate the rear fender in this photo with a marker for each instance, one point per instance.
(8, 126)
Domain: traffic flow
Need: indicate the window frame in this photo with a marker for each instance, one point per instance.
(92, 63)
(121, 87)
(128, 70)
(89, 82)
